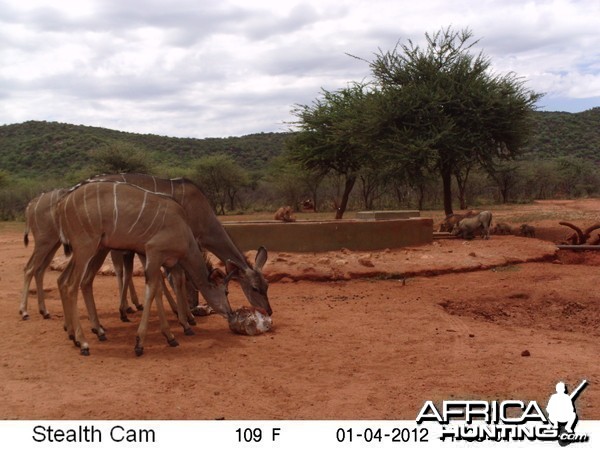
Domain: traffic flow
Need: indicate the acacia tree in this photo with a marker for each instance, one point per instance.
(221, 179)
(120, 157)
(444, 100)
(334, 136)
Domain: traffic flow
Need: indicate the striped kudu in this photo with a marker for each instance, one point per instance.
(209, 232)
(40, 220)
(98, 216)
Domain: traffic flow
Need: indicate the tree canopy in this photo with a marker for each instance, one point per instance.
(437, 108)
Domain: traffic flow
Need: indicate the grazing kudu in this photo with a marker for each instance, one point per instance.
(98, 216)
(209, 232)
(40, 221)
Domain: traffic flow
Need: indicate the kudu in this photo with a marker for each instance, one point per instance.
(40, 220)
(209, 232)
(98, 216)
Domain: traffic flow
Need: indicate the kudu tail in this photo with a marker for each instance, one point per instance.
(26, 234)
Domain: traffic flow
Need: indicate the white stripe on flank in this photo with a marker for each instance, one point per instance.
(53, 207)
(116, 211)
(151, 223)
(155, 187)
(182, 191)
(35, 210)
(85, 206)
(77, 213)
(98, 203)
(172, 189)
(140, 214)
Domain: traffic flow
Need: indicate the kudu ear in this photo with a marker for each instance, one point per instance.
(217, 276)
(233, 269)
(261, 258)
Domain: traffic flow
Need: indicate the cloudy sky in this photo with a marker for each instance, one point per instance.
(216, 68)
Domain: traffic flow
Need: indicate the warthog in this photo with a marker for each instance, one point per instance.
(451, 220)
(502, 228)
(467, 227)
(285, 214)
(527, 230)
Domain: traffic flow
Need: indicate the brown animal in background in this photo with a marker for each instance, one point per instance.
(451, 220)
(527, 230)
(502, 228)
(467, 227)
(285, 214)
(308, 205)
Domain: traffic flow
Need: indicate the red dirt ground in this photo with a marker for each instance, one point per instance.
(356, 336)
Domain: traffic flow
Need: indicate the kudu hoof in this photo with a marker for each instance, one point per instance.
(85, 351)
(101, 336)
(125, 319)
(130, 310)
(25, 316)
(173, 342)
(139, 307)
(192, 322)
(139, 350)
(45, 315)
(189, 332)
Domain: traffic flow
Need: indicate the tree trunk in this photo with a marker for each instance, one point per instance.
(446, 173)
(350, 180)
(461, 182)
(421, 198)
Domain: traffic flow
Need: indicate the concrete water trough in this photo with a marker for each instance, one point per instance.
(321, 236)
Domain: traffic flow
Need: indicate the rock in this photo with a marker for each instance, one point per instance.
(250, 321)
(525, 353)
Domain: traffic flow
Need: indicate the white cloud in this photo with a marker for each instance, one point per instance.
(200, 68)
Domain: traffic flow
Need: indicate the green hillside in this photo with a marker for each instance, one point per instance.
(41, 149)
(566, 134)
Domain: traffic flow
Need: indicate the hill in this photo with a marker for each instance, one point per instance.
(33, 149)
(41, 149)
(559, 134)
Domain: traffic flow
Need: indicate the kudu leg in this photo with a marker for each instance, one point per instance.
(118, 260)
(183, 309)
(153, 290)
(36, 267)
(165, 289)
(68, 283)
(88, 293)
(128, 282)
(63, 281)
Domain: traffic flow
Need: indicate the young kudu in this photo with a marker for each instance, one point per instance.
(209, 232)
(97, 216)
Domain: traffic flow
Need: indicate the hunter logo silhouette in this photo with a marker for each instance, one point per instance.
(561, 408)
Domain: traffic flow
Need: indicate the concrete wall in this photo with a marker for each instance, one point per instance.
(308, 236)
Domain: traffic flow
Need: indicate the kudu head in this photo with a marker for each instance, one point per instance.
(252, 280)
